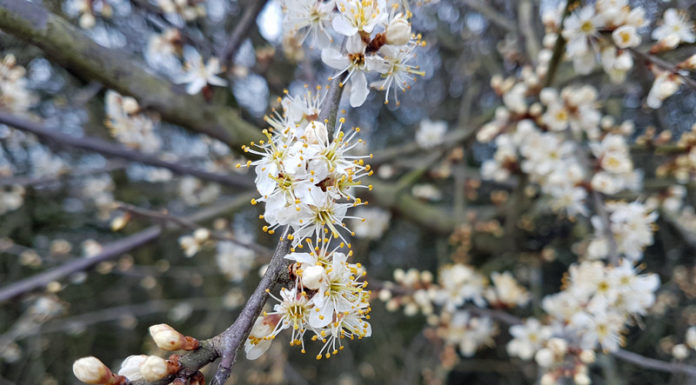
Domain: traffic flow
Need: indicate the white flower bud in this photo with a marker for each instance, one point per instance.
(130, 105)
(582, 379)
(313, 277)
(87, 20)
(558, 346)
(398, 31)
(680, 352)
(426, 277)
(91, 371)
(201, 235)
(316, 133)
(691, 337)
(385, 295)
(544, 358)
(167, 338)
(130, 368)
(411, 309)
(588, 356)
(154, 368)
(548, 379)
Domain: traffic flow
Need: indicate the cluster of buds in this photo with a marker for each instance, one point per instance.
(305, 178)
(189, 10)
(91, 370)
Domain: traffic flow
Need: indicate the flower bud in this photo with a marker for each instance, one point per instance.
(92, 371)
(544, 358)
(588, 356)
(130, 105)
(316, 133)
(691, 337)
(154, 368)
(558, 346)
(548, 379)
(201, 235)
(167, 338)
(398, 31)
(680, 352)
(689, 63)
(130, 367)
(582, 379)
(313, 277)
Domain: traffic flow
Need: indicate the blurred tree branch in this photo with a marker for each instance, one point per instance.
(69, 47)
(113, 250)
(118, 151)
(241, 30)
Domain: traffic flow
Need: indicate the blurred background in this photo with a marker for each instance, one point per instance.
(57, 203)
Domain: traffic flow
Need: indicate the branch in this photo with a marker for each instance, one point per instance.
(229, 342)
(116, 69)
(117, 151)
(241, 31)
(651, 363)
(601, 210)
(491, 14)
(110, 251)
(190, 225)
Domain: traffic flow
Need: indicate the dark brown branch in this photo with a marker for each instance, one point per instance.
(110, 251)
(116, 69)
(117, 151)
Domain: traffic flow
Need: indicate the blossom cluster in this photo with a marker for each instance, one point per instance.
(631, 226)
(608, 32)
(328, 300)
(306, 179)
(15, 97)
(129, 124)
(378, 40)
(446, 303)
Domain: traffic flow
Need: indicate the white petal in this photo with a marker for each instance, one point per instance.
(358, 89)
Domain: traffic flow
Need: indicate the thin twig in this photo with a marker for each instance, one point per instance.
(491, 14)
(241, 31)
(117, 151)
(190, 225)
(601, 210)
(109, 251)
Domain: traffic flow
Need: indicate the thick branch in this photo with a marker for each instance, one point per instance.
(117, 151)
(69, 47)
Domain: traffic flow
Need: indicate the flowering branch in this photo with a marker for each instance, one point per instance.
(108, 149)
